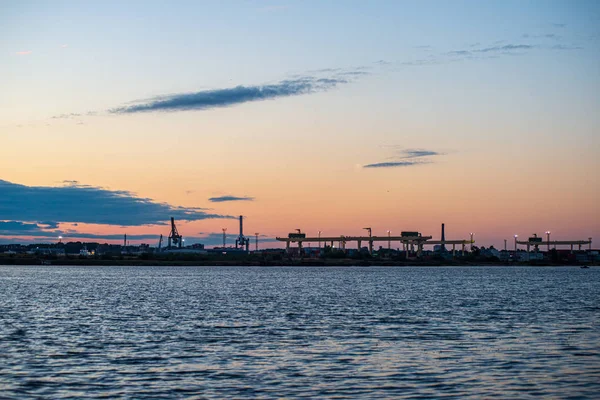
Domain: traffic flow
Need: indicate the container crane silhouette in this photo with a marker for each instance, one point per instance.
(175, 239)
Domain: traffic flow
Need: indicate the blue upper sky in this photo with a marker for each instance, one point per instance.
(121, 50)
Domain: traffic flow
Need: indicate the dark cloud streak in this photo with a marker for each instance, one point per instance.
(222, 199)
(415, 153)
(507, 47)
(406, 158)
(395, 164)
(217, 98)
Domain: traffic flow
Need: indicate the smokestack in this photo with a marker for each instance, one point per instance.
(443, 237)
(125, 240)
(241, 226)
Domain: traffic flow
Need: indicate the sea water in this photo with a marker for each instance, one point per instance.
(265, 332)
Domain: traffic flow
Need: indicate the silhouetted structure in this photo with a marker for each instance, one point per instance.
(443, 247)
(174, 237)
(242, 241)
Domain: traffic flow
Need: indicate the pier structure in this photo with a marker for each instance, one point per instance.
(409, 241)
(535, 241)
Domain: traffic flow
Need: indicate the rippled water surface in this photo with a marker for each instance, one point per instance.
(216, 332)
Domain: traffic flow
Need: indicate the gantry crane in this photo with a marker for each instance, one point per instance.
(174, 237)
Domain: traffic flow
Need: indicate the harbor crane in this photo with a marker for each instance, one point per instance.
(175, 238)
(242, 241)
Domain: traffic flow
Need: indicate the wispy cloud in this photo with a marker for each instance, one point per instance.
(415, 153)
(395, 164)
(544, 36)
(421, 62)
(215, 98)
(313, 82)
(324, 70)
(406, 158)
(75, 202)
(477, 51)
(23, 53)
(353, 73)
(74, 115)
(459, 53)
(221, 199)
(506, 47)
(565, 47)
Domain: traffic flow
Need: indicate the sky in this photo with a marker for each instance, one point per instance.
(320, 116)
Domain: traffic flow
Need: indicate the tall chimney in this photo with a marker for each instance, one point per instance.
(241, 226)
(125, 240)
(443, 237)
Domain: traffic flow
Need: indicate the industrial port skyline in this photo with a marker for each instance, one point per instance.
(401, 239)
(405, 247)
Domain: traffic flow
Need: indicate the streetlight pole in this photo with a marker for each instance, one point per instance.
(389, 240)
(516, 236)
(319, 241)
(548, 239)
(471, 242)
(256, 242)
(504, 244)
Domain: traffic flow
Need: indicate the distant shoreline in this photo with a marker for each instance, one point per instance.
(7, 261)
